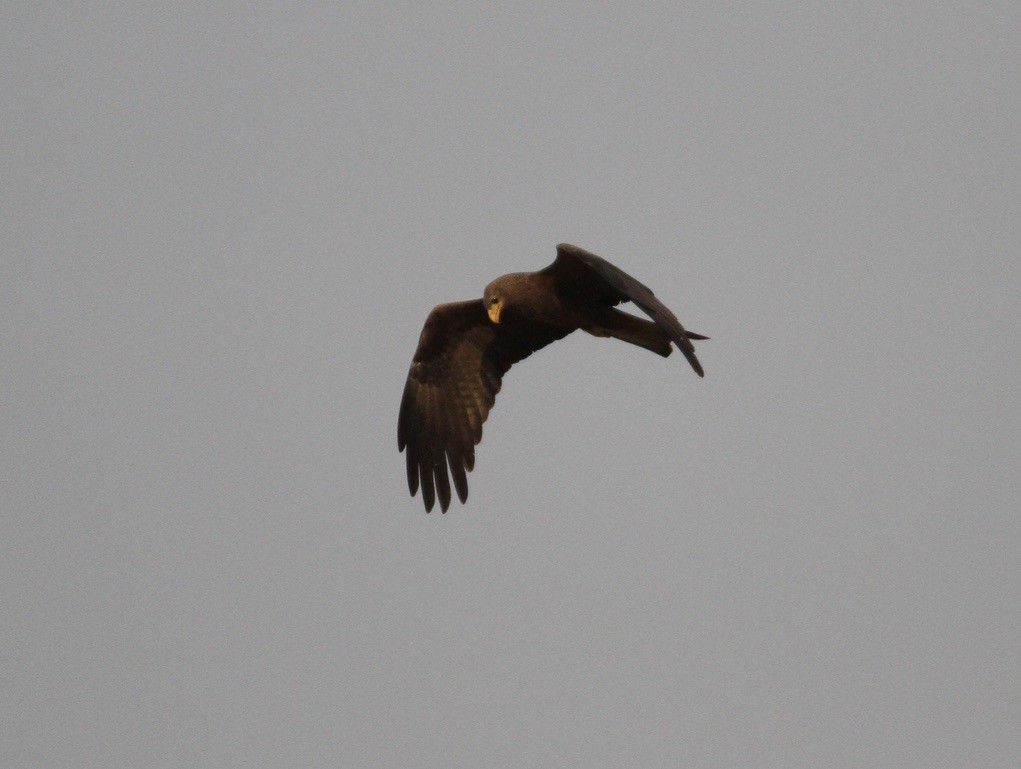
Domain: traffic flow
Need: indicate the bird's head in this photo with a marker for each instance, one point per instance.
(514, 294)
(493, 299)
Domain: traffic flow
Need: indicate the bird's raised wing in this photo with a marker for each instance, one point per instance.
(451, 386)
(590, 277)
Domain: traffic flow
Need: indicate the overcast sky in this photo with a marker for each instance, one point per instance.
(222, 229)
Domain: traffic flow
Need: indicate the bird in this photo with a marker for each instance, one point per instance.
(465, 348)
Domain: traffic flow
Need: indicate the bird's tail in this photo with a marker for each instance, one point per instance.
(637, 331)
(645, 333)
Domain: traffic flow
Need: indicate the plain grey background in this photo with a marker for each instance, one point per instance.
(222, 229)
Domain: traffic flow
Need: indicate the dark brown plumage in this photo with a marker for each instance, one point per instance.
(466, 348)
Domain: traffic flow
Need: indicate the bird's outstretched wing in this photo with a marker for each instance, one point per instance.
(451, 386)
(592, 278)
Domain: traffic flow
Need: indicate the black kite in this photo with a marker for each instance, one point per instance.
(466, 348)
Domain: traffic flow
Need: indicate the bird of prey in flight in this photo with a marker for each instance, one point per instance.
(466, 347)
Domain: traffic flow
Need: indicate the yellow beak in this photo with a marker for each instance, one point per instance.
(494, 312)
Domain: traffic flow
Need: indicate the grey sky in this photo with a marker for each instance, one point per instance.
(222, 229)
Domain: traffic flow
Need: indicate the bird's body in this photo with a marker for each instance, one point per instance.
(466, 347)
